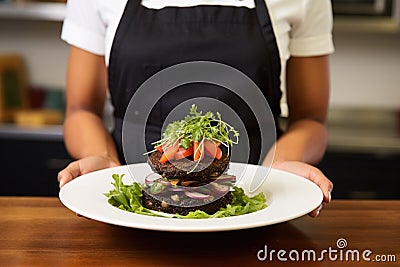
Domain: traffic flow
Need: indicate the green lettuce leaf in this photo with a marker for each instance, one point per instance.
(129, 198)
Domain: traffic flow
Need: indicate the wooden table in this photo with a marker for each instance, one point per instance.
(42, 232)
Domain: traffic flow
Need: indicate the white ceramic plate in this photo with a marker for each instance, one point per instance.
(288, 196)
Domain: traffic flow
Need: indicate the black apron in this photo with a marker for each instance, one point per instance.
(149, 40)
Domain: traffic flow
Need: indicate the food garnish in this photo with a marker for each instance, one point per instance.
(196, 136)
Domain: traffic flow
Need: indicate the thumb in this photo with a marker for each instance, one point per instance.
(69, 173)
(310, 172)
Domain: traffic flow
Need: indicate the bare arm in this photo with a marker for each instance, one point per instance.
(308, 96)
(84, 132)
(305, 140)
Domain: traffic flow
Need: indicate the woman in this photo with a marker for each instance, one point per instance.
(118, 45)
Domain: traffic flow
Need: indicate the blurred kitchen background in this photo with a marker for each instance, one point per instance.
(363, 156)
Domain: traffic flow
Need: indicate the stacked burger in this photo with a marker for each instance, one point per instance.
(190, 166)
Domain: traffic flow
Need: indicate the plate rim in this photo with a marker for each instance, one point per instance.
(157, 222)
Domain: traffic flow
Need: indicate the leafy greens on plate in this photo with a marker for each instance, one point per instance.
(129, 198)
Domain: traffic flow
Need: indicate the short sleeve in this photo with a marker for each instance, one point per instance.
(83, 26)
(312, 35)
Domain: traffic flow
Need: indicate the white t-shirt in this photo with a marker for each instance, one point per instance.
(302, 27)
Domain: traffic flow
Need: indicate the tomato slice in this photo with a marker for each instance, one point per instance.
(174, 181)
(198, 151)
(169, 153)
(183, 153)
(159, 148)
(212, 149)
(218, 155)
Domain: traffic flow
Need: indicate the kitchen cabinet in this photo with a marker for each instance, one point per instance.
(359, 175)
(363, 155)
(32, 157)
(30, 160)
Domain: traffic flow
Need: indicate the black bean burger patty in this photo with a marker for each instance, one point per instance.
(178, 170)
(156, 203)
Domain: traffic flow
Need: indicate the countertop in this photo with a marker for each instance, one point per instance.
(40, 132)
(364, 130)
(38, 231)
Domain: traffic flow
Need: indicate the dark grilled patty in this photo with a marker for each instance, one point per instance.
(156, 203)
(178, 169)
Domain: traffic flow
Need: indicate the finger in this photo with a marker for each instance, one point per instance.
(309, 172)
(69, 173)
(94, 163)
(322, 181)
(114, 164)
(316, 212)
(81, 216)
(64, 179)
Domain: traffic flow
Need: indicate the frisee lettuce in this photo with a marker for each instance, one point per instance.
(129, 198)
(196, 127)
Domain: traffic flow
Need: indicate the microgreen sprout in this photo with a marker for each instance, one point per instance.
(197, 127)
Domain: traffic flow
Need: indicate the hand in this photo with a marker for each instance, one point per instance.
(84, 165)
(311, 173)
